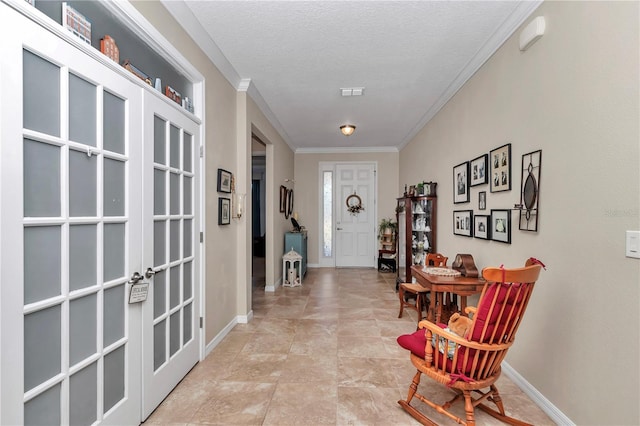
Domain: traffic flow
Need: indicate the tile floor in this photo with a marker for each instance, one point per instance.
(321, 354)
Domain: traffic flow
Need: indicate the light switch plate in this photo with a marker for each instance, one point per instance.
(633, 244)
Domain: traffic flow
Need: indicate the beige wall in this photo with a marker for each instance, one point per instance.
(307, 196)
(573, 94)
(280, 165)
(228, 125)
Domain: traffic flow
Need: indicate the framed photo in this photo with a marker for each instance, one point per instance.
(478, 170)
(501, 226)
(482, 200)
(224, 211)
(461, 183)
(462, 223)
(500, 159)
(224, 181)
(412, 191)
(283, 198)
(482, 226)
(530, 191)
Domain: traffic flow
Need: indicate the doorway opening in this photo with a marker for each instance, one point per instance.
(258, 212)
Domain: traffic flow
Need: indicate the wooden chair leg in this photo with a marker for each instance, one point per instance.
(401, 296)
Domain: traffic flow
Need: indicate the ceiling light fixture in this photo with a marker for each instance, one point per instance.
(347, 129)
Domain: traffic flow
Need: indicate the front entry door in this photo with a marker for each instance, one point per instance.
(355, 235)
(171, 339)
(70, 233)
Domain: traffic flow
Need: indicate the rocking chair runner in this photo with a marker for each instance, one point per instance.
(469, 365)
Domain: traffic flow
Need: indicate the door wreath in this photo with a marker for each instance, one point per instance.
(354, 204)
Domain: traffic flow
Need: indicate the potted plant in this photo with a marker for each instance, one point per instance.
(387, 227)
(420, 188)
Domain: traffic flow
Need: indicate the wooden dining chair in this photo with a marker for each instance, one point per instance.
(471, 365)
(413, 295)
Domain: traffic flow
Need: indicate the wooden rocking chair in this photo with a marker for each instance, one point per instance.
(472, 363)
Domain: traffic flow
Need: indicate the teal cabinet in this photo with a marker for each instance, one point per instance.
(297, 241)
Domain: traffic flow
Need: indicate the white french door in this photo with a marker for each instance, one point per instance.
(355, 232)
(170, 225)
(70, 231)
(98, 182)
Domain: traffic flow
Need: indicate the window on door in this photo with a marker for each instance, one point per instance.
(327, 213)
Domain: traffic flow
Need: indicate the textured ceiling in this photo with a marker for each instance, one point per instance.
(410, 56)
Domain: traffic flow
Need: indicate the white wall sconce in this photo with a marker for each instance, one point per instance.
(238, 205)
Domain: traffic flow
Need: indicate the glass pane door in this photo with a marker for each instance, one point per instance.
(171, 179)
(74, 338)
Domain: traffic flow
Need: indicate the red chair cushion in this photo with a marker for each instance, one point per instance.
(515, 297)
(416, 341)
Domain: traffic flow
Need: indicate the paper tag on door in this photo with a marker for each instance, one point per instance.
(138, 292)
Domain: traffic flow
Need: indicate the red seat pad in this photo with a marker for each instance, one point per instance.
(415, 342)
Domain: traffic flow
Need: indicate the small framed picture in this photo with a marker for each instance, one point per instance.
(461, 183)
(482, 226)
(482, 200)
(224, 211)
(283, 198)
(224, 181)
(478, 170)
(500, 159)
(501, 226)
(462, 223)
(412, 191)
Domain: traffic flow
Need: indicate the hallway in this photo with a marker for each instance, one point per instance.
(323, 353)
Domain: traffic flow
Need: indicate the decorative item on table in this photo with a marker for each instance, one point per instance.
(75, 22)
(109, 48)
(440, 271)
(172, 94)
(354, 204)
(465, 264)
(136, 71)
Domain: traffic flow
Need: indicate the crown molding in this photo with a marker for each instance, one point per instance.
(497, 39)
(347, 150)
(187, 20)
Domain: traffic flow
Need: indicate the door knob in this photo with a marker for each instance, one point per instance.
(135, 278)
(338, 229)
(149, 273)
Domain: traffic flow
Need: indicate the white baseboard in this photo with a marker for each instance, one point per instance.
(240, 319)
(545, 405)
(245, 319)
(221, 335)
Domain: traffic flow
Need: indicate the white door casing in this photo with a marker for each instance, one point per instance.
(355, 231)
